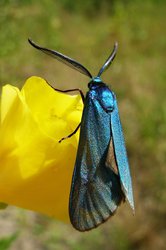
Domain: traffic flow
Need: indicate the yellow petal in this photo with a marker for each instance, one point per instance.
(35, 169)
(7, 100)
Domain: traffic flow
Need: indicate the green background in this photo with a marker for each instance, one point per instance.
(86, 31)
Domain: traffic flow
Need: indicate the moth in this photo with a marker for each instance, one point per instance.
(101, 178)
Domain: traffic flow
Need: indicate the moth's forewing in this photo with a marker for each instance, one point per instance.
(121, 155)
(96, 191)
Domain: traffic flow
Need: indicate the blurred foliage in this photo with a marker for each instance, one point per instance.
(6, 242)
(86, 31)
(3, 205)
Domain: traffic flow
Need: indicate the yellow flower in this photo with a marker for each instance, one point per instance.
(36, 170)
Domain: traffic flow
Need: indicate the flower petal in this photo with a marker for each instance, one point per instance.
(35, 169)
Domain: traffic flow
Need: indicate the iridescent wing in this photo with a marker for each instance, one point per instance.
(95, 191)
(121, 155)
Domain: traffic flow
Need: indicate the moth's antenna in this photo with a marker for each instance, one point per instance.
(109, 60)
(62, 58)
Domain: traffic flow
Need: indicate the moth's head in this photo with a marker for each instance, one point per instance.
(95, 83)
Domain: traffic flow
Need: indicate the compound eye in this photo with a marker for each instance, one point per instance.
(90, 84)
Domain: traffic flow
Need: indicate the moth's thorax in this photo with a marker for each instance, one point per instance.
(101, 93)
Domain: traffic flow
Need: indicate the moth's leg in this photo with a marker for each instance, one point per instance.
(70, 90)
(64, 138)
(83, 98)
